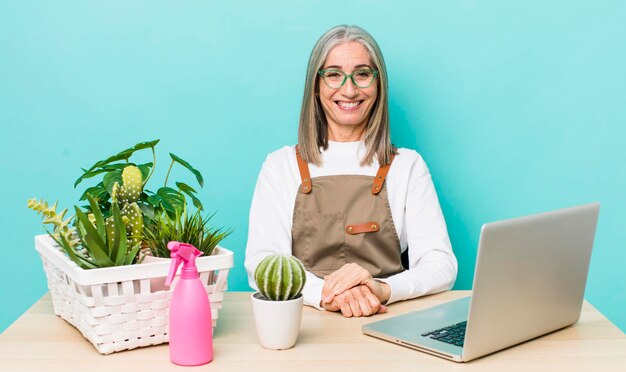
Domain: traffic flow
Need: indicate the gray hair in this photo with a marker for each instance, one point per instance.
(313, 128)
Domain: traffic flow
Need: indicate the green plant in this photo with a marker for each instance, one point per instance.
(92, 242)
(152, 204)
(280, 277)
(193, 229)
(121, 213)
(107, 242)
(63, 231)
(127, 196)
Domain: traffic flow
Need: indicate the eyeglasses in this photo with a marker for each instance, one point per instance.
(335, 79)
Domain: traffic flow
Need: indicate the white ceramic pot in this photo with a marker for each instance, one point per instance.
(277, 322)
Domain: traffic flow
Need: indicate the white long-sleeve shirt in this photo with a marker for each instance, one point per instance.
(414, 207)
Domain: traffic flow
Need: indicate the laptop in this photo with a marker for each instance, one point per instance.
(529, 280)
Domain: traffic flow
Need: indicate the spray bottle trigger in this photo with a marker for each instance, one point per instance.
(176, 261)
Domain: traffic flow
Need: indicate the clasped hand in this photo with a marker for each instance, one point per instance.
(354, 292)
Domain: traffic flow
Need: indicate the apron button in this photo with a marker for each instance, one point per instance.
(374, 227)
(349, 229)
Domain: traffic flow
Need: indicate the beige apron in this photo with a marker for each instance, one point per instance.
(344, 219)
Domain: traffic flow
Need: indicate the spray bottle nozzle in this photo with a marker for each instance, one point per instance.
(181, 253)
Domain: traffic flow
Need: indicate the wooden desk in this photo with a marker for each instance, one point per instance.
(41, 341)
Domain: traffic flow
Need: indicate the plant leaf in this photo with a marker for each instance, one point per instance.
(119, 234)
(191, 193)
(130, 255)
(98, 192)
(95, 209)
(117, 166)
(79, 260)
(145, 170)
(110, 179)
(125, 154)
(89, 174)
(154, 200)
(188, 166)
(168, 206)
(147, 210)
(183, 186)
(171, 199)
(92, 241)
(122, 155)
(104, 169)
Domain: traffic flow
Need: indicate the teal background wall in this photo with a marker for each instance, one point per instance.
(518, 107)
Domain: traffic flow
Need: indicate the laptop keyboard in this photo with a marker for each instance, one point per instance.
(454, 334)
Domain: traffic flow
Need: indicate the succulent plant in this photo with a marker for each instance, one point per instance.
(62, 228)
(280, 277)
(106, 242)
(91, 244)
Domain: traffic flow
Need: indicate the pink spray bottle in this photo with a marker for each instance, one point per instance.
(191, 327)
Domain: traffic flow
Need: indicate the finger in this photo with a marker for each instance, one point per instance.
(331, 306)
(382, 310)
(364, 304)
(371, 299)
(345, 310)
(355, 307)
(353, 303)
(329, 284)
(349, 278)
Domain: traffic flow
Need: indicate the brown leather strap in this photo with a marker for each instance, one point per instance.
(380, 177)
(362, 228)
(303, 167)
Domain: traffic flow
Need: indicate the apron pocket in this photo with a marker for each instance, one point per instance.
(319, 241)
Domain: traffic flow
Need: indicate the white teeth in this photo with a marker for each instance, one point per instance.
(348, 105)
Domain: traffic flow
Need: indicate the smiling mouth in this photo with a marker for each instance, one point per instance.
(348, 105)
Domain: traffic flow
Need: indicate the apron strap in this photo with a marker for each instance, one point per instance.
(303, 167)
(377, 186)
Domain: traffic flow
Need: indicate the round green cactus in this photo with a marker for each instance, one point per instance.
(280, 277)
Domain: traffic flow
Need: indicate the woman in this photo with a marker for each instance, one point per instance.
(345, 201)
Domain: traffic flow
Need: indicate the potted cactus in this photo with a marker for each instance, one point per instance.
(277, 307)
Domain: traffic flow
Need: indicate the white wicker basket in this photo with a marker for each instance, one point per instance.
(114, 307)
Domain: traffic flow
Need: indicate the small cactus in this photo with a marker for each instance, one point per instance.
(133, 223)
(131, 185)
(133, 219)
(126, 197)
(109, 225)
(115, 193)
(280, 277)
